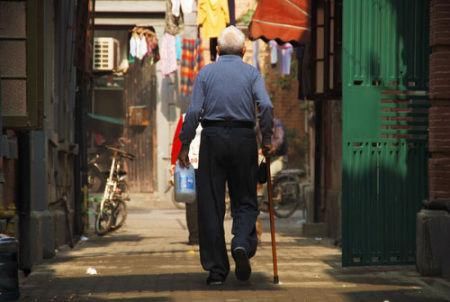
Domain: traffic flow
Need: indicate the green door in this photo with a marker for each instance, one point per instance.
(385, 120)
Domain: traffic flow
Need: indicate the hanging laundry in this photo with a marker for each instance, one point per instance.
(213, 49)
(143, 44)
(155, 55)
(134, 44)
(286, 56)
(191, 63)
(185, 5)
(152, 41)
(168, 54)
(232, 12)
(273, 52)
(178, 47)
(142, 47)
(131, 59)
(190, 23)
(176, 7)
(255, 61)
(213, 17)
(174, 24)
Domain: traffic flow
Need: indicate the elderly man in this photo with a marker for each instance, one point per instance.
(225, 97)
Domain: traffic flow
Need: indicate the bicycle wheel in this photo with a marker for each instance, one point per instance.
(119, 214)
(286, 196)
(123, 186)
(96, 180)
(104, 219)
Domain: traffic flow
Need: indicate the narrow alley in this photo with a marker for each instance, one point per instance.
(149, 260)
(347, 103)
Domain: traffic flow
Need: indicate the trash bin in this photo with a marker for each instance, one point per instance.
(9, 281)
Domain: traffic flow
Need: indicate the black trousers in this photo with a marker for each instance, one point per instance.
(191, 221)
(227, 155)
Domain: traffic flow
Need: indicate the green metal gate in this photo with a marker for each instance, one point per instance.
(385, 120)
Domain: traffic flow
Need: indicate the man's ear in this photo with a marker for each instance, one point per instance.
(243, 51)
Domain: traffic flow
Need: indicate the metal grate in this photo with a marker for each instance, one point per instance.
(404, 115)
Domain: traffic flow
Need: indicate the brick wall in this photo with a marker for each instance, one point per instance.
(439, 141)
(283, 91)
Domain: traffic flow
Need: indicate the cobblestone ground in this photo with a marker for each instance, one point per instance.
(149, 260)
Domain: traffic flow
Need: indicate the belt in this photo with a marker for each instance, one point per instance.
(228, 124)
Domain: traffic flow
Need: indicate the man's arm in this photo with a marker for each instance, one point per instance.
(191, 120)
(265, 110)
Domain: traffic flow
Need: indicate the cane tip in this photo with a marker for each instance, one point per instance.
(276, 280)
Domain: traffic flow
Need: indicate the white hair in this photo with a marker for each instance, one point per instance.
(231, 40)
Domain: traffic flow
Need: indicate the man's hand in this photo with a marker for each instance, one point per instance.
(268, 150)
(183, 157)
(172, 172)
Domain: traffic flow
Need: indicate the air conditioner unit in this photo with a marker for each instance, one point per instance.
(106, 54)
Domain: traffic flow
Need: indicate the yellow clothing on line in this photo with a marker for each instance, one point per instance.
(213, 17)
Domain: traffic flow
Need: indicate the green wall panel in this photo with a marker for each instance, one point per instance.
(385, 121)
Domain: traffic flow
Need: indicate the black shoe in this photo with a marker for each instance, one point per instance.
(214, 280)
(243, 269)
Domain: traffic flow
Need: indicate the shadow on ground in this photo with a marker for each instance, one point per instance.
(141, 285)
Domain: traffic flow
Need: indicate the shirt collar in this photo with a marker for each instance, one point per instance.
(230, 58)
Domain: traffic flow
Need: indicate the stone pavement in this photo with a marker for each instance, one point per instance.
(149, 260)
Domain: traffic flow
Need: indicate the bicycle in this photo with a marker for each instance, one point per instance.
(286, 192)
(113, 210)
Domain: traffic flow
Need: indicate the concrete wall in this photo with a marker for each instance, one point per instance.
(167, 114)
(47, 155)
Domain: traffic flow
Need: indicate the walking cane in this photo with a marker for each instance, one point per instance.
(272, 223)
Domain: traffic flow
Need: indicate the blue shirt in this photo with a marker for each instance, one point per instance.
(228, 90)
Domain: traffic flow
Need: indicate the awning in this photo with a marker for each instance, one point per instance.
(281, 20)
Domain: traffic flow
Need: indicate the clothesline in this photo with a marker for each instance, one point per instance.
(181, 47)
